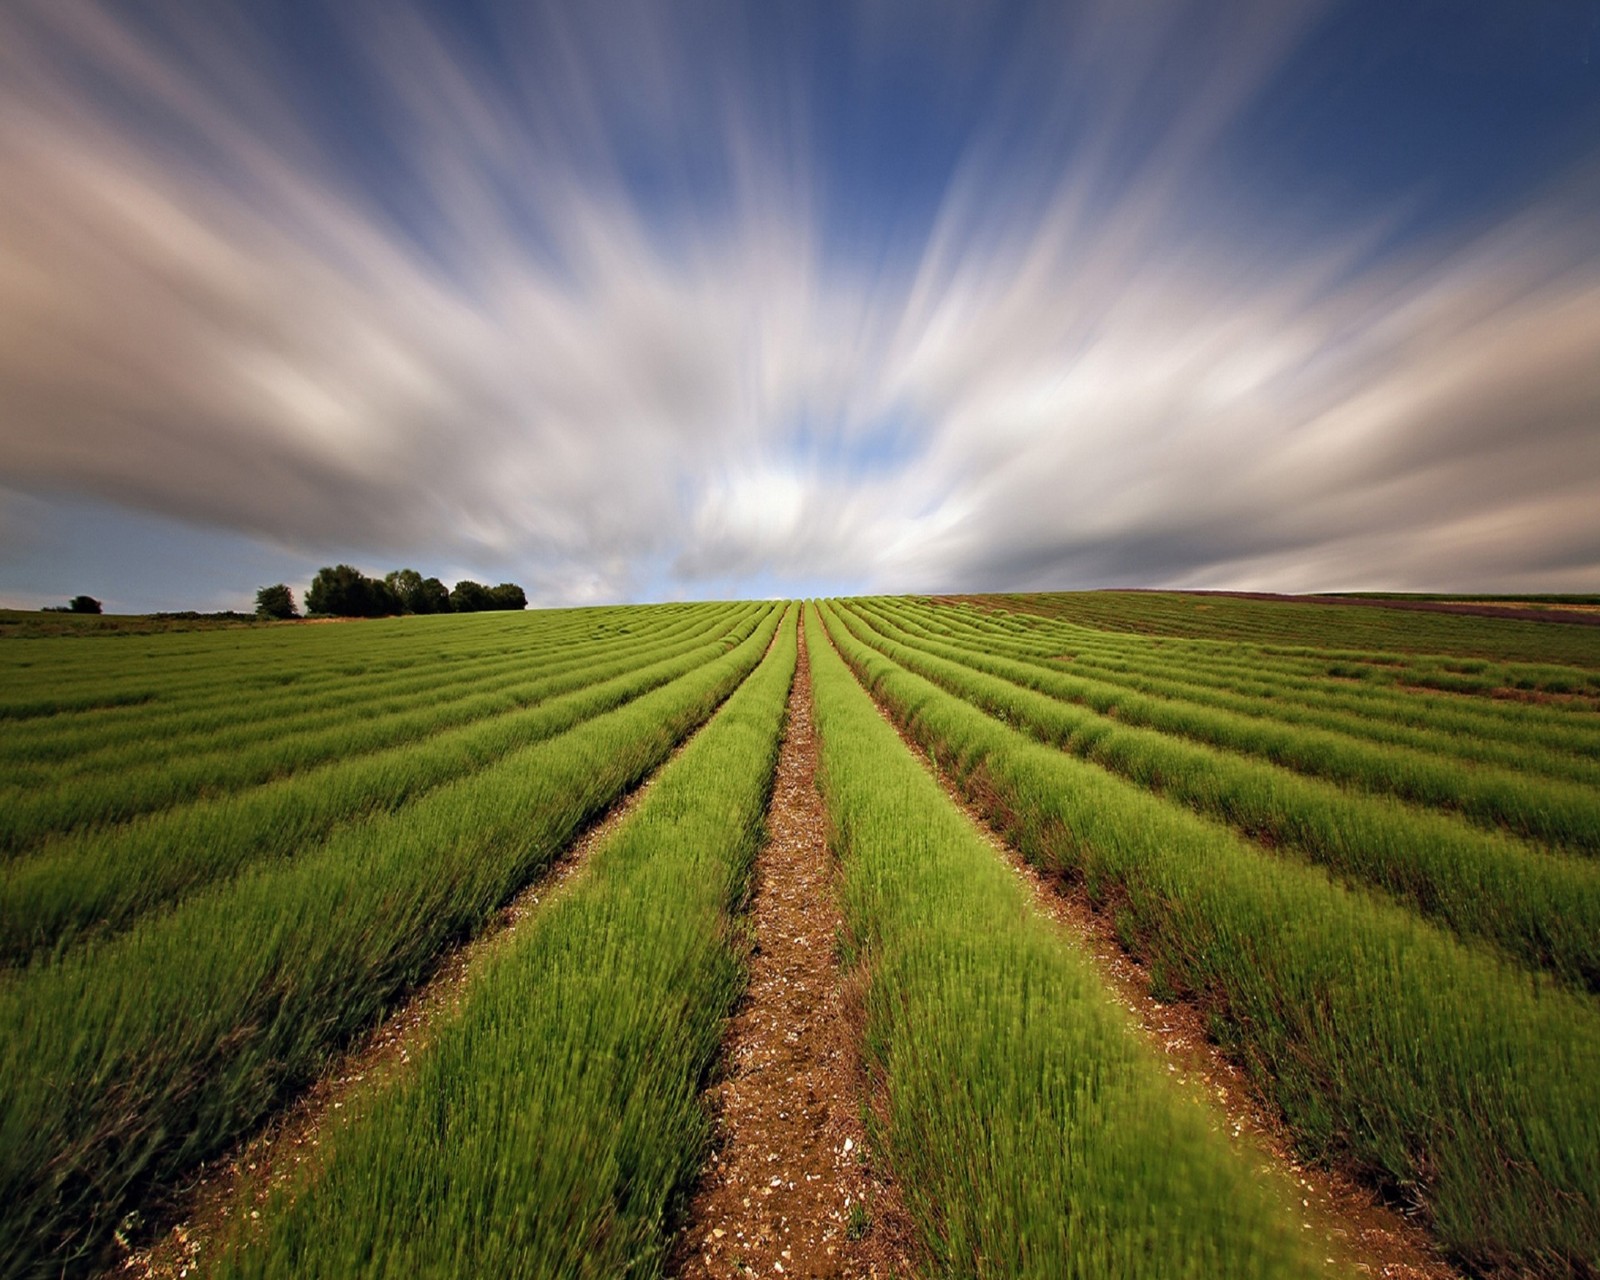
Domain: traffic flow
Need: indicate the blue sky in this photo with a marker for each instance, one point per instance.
(651, 300)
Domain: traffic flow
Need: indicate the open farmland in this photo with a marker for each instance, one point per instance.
(1357, 846)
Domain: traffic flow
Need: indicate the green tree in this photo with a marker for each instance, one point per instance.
(276, 602)
(418, 594)
(345, 592)
(84, 604)
(474, 597)
(470, 597)
(434, 595)
(403, 582)
(508, 595)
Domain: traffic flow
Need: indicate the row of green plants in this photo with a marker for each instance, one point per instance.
(218, 686)
(1233, 678)
(1544, 808)
(1413, 665)
(1030, 1133)
(1318, 626)
(131, 1060)
(550, 1128)
(1541, 908)
(111, 681)
(101, 882)
(181, 734)
(1364, 685)
(1450, 1079)
(1573, 676)
(137, 784)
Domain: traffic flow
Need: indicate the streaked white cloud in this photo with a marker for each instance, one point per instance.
(1089, 378)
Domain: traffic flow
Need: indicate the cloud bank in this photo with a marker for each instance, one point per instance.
(595, 292)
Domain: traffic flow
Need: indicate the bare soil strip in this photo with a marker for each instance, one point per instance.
(789, 1189)
(279, 1153)
(1368, 1236)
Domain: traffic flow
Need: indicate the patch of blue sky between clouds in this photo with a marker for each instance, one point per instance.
(880, 447)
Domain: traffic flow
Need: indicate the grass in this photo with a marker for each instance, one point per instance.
(509, 1151)
(1234, 678)
(282, 694)
(226, 852)
(858, 1223)
(131, 1060)
(1347, 626)
(1541, 908)
(138, 780)
(232, 696)
(107, 685)
(33, 624)
(1446, 1077)
(102, 882)
(1030, 1133)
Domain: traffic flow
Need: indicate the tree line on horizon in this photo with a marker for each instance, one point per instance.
(78, 604)
(342, 591)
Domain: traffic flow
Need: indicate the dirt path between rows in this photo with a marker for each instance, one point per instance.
(1362, 1234)
(202, 1214)
(789, 1189)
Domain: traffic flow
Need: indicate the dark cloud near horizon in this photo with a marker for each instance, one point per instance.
(637, 299)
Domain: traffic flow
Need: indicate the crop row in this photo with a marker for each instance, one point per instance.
(109, 681)
(1327, 683)
(1236, 679)
(1441, 1072)
(103, 881)
(275, 689)
(129, 1061)
(1540, 907)
(1356, 627)
(240, 717)
(1031, 1135)
(548, 1128)
(1544, 809)
(71, 802)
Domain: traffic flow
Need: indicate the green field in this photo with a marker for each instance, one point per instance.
(1363, 841)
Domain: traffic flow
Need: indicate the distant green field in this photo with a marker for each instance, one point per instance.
(1325, 627)
(1364, 841)
(34, 624)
